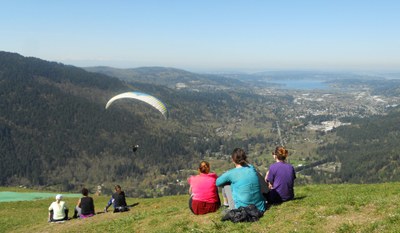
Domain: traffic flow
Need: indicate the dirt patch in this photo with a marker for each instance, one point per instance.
(363, 217)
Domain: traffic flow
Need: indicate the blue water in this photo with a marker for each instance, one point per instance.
(16, 196)
(302, 84)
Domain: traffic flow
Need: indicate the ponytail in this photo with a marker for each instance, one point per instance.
(239, 156)
(281, 153)
(204, 167)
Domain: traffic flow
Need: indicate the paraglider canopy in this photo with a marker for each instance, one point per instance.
(153, 101)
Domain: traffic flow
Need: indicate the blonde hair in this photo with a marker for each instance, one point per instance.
(204, 167)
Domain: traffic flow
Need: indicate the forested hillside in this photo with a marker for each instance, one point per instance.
(170, 77)
(56, 133)
(368, 150)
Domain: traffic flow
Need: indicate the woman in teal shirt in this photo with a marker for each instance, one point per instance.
(244, 182)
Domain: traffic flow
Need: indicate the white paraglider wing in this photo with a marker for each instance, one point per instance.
(153, 101)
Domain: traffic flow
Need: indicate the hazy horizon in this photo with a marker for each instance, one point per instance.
(207, 36)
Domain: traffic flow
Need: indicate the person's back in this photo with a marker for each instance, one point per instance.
(58, 210)
(119, 199)
(204, 193)
(280, 177)
(87, 206)
(244, 182)
(245, 186)
(204, 188)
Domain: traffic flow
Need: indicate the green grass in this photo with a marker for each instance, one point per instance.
(317, 208)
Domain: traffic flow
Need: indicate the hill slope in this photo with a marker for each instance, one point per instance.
(368, 150)
(317, 208)
(55, 132)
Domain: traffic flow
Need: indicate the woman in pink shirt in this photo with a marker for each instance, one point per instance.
(204, 193)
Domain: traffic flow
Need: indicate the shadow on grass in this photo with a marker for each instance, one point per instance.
(297, 198)
(128, 208)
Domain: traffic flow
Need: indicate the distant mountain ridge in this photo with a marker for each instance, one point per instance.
(166, 76)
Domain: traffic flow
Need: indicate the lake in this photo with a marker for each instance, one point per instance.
(17, 196)
(302, 84)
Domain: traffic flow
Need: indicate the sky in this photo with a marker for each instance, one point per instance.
(206, 35)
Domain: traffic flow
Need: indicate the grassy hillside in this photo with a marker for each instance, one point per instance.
(317, 208)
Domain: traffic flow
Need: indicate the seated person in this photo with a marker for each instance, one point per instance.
(58, 210)
(280, 178)
(118, 200)
(85, 206)
(204, 193)
(244, 189)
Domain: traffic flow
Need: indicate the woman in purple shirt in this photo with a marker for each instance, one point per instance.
(280, 178)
